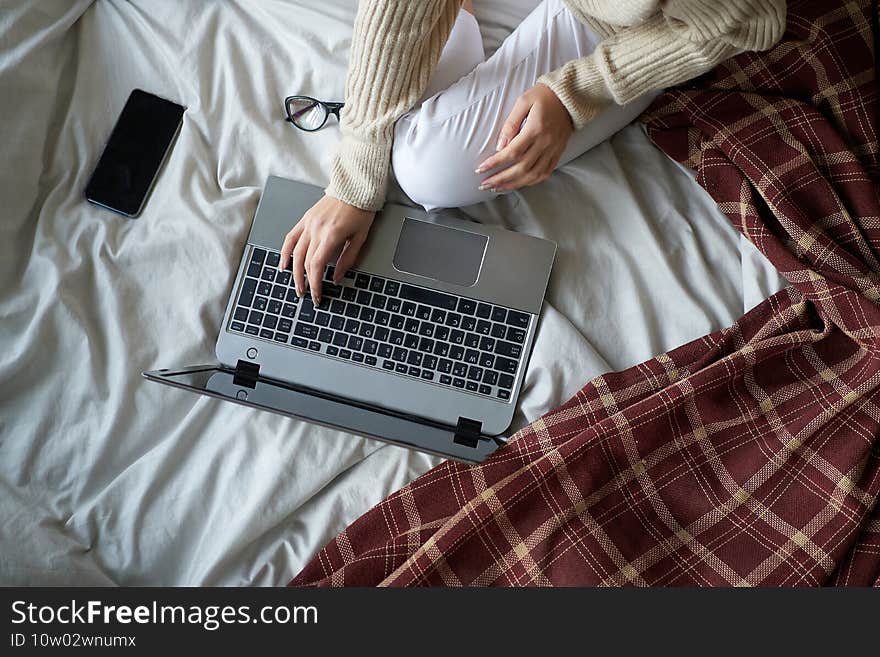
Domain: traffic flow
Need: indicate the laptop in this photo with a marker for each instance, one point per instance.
(424, 343)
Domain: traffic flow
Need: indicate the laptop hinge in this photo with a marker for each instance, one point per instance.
(246, 374)
(467, 432)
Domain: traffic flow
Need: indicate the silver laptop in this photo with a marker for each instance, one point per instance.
(424, 344)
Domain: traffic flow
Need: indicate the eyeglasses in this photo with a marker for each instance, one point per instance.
(308, 113)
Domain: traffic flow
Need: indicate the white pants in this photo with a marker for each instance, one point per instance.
(438, 145)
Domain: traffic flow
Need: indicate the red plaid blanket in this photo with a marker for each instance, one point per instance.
(748, 457)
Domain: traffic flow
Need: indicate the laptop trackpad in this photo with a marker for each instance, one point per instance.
(439, 252)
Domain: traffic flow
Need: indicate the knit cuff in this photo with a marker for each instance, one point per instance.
(580, 86)
(359, 173)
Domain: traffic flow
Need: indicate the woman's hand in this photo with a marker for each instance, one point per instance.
(531, 141)
(329, 226)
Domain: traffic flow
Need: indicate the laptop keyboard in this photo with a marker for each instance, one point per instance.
(372, 321)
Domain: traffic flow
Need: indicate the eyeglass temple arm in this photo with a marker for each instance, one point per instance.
(333, 107)
(296, 115)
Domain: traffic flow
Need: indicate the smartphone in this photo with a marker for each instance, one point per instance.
(134, 154)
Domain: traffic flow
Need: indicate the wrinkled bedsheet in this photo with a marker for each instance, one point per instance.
(108, 479)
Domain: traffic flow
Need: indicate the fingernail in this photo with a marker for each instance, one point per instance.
(483, 188)
(479, 170)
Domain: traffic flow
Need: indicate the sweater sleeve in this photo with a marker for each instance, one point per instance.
(395, 47)
(686, 39)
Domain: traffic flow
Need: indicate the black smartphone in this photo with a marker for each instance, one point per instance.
(138, 145)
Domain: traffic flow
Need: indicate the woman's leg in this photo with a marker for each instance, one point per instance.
(438, 145)
(461, 54)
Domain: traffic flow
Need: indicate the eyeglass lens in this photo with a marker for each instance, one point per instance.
(306, 113)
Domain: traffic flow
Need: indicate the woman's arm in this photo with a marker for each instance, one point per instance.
(395, 47)
(688, 38)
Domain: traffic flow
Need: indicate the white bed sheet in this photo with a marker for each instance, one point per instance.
(108, 479)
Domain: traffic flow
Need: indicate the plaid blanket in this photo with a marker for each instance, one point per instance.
(747, 457)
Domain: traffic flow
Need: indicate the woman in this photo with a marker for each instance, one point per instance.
(459, 129)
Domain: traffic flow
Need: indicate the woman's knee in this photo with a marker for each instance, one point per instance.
(437, 172)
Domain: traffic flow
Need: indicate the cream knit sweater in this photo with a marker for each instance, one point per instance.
(647, 45)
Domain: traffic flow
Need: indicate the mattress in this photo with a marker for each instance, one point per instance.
(108, 479)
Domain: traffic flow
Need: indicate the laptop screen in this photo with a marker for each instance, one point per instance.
(277, 397)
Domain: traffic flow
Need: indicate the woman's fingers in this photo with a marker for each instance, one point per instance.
(514, 122)
(313, 241)
(509, 131)
(542, 127)
(317, 261)
(543, 168)
(298, 268)
(514, 176)
(290, 241)
(507, 155)
(349, 254)
(309, 265)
